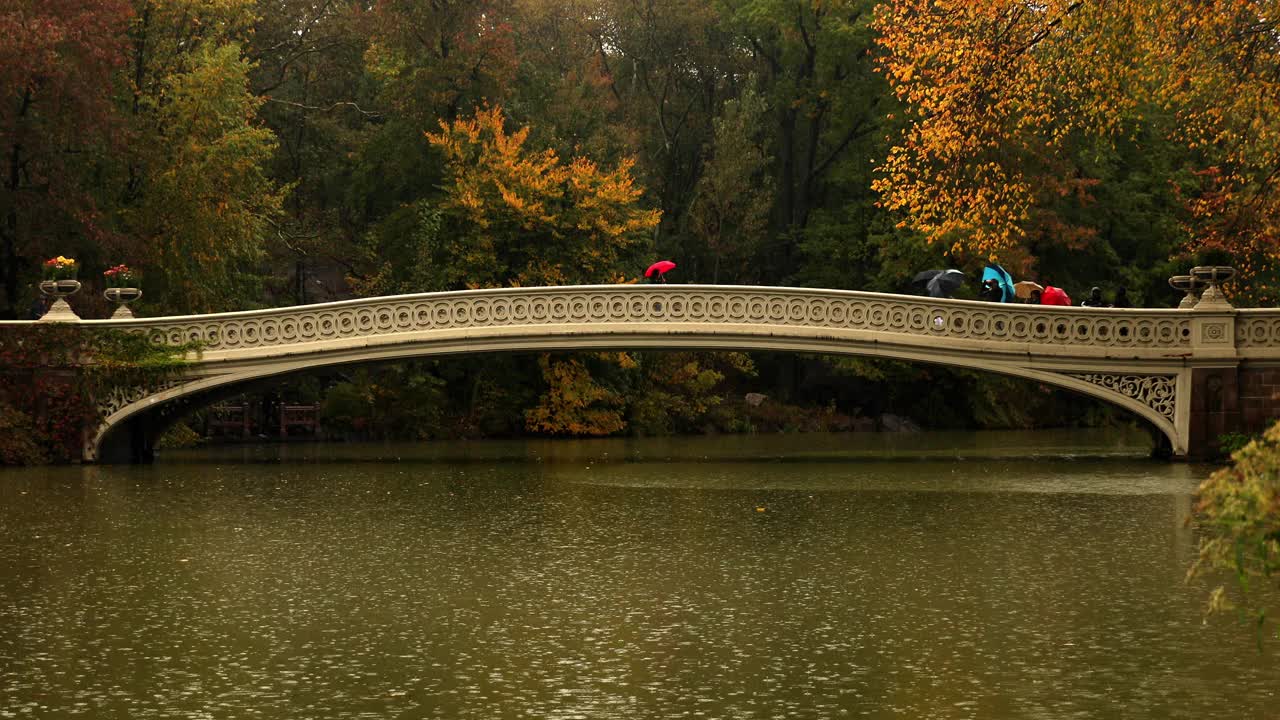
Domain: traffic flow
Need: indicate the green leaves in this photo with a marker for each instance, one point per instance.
(734, 196)
(1239, 510)
(207, 205)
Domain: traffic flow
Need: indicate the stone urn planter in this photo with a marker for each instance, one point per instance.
(122, 296)
(1211, 276)
(1189, 285)
(59, 290)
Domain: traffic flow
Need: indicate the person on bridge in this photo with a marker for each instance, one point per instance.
(1054, 296)
(1094, 299)
(991, 291)
(1004, 290)
(1122, 299)
(658, 271)
(39, 307)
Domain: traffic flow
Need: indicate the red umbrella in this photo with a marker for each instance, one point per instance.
(662, 267)
(1054, 296)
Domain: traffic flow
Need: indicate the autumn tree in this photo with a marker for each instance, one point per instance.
(514, 215)
(206, 206)
(166, 34)
(1216, 68)
(1008, 104)
(58, 60)
(575, 402)
(993, 91)
(814, 60)
(734, 196)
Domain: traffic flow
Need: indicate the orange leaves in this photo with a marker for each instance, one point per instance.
(996, 92)
(1232, 213)
(526, 216)
(1221, 80)
(992, 90)
(575, 404)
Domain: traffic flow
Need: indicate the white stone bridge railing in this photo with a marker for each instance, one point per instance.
(1257, 329)
(993, 325)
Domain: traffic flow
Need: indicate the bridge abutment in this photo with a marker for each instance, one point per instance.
(1258, 391)
(1226, 400)
(1215, 410)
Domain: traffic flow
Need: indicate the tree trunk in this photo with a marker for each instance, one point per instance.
(10, 262)
(10, 231)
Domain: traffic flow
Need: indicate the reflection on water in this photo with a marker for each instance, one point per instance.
(1035, 575)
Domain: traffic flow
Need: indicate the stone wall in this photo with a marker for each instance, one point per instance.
(1215, 410)
(1259, 397)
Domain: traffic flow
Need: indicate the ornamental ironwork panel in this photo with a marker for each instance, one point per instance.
(1158, 392)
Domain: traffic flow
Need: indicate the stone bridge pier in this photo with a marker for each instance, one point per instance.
(1191, 374)
(1243, 399)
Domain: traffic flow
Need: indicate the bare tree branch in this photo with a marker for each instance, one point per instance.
(341, 103)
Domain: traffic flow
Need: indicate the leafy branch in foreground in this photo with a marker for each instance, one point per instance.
(1239, 510)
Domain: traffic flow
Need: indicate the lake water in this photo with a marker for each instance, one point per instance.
(964, 575)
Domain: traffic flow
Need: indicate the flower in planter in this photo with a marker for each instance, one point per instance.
(60, 268)
(121, 276)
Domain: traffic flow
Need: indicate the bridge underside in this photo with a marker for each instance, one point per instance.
(1156, 390)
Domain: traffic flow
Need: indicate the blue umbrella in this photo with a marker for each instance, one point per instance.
(1001, 276)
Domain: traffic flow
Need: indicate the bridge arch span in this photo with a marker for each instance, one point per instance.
(1141, 379)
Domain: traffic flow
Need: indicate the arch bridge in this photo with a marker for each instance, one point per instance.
(1191, 374)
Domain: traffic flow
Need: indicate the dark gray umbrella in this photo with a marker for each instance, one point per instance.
(922, 279)
(945, 283)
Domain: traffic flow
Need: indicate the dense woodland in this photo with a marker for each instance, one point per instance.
(254, 153)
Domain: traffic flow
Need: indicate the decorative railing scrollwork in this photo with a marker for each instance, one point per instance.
(678, 304)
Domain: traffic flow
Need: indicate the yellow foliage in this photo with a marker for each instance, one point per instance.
(993, 90)
(574, 403)
(525, 216)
